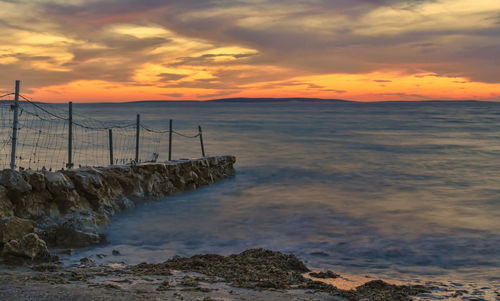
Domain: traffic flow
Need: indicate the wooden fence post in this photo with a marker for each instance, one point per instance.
(111, 161)
(137, 139)
(201, 141)
(14, 126)
(170, 142)
(70, 136)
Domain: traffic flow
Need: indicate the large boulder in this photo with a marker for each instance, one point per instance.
(29, 246)
(57, 181)
(114, 176)
(36, 179)
(6, 207)
(14, 228)
(123, 182)
(34, 205)
(63, 191)
(156, 185)
(14, 182)
(89, 183)
(78, 230)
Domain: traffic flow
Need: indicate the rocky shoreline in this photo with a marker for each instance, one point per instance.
(254, 274)
(68, 208)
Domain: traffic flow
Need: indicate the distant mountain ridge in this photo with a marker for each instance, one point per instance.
(275, 100)
(270, 99)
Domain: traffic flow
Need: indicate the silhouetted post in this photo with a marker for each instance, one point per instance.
(70, 136)
(15, 107)
(110, 147)
(170, 142)
(201, 141)
(137, 138)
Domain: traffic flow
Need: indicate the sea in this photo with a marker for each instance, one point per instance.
(397, 190)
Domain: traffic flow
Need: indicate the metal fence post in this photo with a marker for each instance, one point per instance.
(110, 147)
(201, 141)
(70, 136)
(137, 138)
(170, 142)
(15, 107)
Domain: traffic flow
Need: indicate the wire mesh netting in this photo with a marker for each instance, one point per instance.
(43, 137)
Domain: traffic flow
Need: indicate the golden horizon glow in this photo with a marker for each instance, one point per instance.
(366, 87)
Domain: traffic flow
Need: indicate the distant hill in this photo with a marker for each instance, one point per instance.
(274, 100)
(292, 99)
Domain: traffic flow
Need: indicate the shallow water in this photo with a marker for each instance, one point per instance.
(402, 190)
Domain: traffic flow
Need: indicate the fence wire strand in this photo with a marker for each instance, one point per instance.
(42, 138)
(186, 136)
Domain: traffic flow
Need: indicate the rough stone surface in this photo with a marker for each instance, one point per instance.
(14, 182)
(29, 246)
(266, 269)
(36, 180)
(78, 230)
(6, 207)
(62, 190)
(33, 205)
(14, 228)
(254, 268)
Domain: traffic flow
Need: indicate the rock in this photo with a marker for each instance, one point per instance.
(78, 230)
(57, 181)
(6, 207)
(33, 205)
(156, 185)
(63, 191)
(324, 275)
(191, 177)
(15, 228)
(124, 181)
(86, 260)
(89, 184)
(36, 180)
(46, 267)
(115, 252)
(124, 203)
(179, 182)
(29, 246)
(14, 182)
(385, 291)
(255, 268)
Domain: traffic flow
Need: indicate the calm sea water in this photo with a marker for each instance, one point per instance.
(401, 190)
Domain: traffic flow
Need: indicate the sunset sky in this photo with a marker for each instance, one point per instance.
(366, 50)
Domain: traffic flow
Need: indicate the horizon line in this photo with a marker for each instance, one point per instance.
(265, 100)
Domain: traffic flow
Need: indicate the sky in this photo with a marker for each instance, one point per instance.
(364, 50)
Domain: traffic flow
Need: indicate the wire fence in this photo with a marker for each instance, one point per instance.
(51, 138)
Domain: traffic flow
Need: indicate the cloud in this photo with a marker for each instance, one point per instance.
(229, 45)
(167, 77)
(174, 95)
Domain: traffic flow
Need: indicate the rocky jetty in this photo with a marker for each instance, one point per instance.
(40, 209)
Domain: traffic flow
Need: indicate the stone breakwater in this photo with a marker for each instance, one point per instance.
(67, 209)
